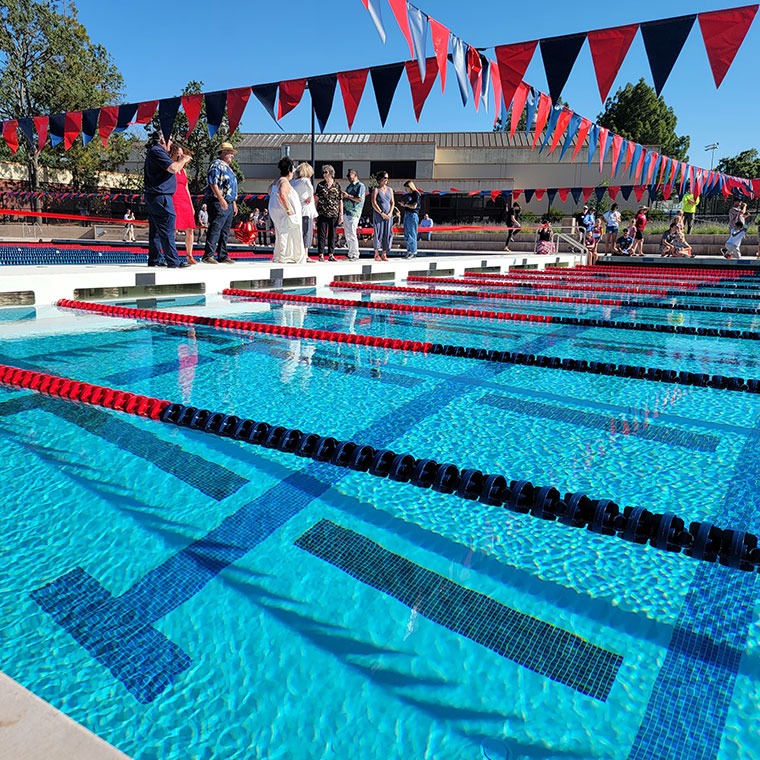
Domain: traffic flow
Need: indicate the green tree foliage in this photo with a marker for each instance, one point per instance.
(636, 113)
(48, 64)
(745, 164)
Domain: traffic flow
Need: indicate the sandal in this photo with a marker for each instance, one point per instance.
(191, 261)
(385, 258)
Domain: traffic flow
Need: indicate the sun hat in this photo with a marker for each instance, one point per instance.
(226, 147)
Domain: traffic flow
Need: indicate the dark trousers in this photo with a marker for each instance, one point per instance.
(161, 224)
(689, 219)
(219, 223)
(510, 234)
(326, 226)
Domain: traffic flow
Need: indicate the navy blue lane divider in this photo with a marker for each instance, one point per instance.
(704, 541)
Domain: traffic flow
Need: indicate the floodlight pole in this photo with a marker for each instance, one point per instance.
(712, 147)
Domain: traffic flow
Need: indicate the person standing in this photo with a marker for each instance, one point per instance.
(737, 213)
(383, 206)
(183, 205)
(426, 223)
(285, 211)
(221, 199)
(410, 204)
(353, 205)
(203, 222)
(640, 222)
(129, 227)
(329, 198)
(589, 219)
(612, 221)
(689, 203)
(302, 185)
(160, 184)
(513, 222)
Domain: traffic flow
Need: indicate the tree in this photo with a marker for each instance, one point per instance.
(48, 64)
(745, 164)
(637, 114)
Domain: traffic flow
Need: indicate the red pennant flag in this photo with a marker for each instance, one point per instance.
(146, 111)
(291, 92)
(496, 83)
(563, 191)
(10, 134)
(726, 189)
(540, 193)
(402, 19)
(613, 190)
(420, 89)
(604, 134)
(723, 33)
(698, 177)
(559, 130)
(237, 100)
(587, 191)
(609, 48)
(495, 194)
(107, 122)
(666, 191)
(630, 150)
(542, 114)
(513, 62)
(652, 167)
(663, 166)
(473, 192)
(639, 166)
(191, 105)
(580, 138)
(756, 187)
(440, 35)
(518, 104)
(638, 191)
(516, 194)
(352, 85)
(617, 144)
(474, 73)
(454, 190)
(41, 125)
(71, 129)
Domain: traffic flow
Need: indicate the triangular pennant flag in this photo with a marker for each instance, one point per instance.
(559, 130)
(266, 94)
(41, 125)
(540, 193)
(652, 168)
(756, 187)
(723, 33)
(106, 123)
(551, 194)
(617, 144)
(542, 114)
(638, 191)
(572, 131)
(639, 166)
(10, 134)
(495, 194)
(191, 105)
(600, 192)
(146, 111)
(553, 119)
(698, 182)
(322, 91)
(498, 103)
(587, 193)
(352, 84)
(126, 116)
(581, 138)
(625, 191)
(559, 55)
(529, 195)
(593, 141)
(167, 114)
(663, 165)
(635, 162)
(237, 100)
(459, 60)
(530, 110)
(474, 73)
(215, 102)
(440, 35)
(516, 194)
(664, 40)
(629, 151)
(604, 146)
(27, 129)
(645, 163)
(513, 62)
(609, 48)
(418, 28)
(385, 79)
(373, 6)
(89, 124)
(72, 126)
(576, 193)
(57, 127)
(420, 89)
(485, 81)
(613, 191)
(291, 92)
(399, 8)
(518, 106)
(563, 191)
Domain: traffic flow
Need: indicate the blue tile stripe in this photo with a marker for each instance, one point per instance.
(541, 647)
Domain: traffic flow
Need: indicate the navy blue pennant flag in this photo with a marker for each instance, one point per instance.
(385, 79)
(126, 115)
(625, 191)
(322, 90)
(267, 95)
(167, 113)
(576, 193)
(559, 55)
(89, 124)
(57, 124)
(528, 195)
(27, 129)
(664, 41)
(600, 193)
(551, 194)
(216, 102)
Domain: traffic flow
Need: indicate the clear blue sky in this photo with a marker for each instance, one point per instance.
(159, 47)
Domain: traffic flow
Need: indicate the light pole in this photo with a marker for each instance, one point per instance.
(713, 147)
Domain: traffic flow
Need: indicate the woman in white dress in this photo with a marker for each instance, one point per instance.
(285, 212)
(305, 190)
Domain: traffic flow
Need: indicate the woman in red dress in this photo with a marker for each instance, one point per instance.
(183, 205)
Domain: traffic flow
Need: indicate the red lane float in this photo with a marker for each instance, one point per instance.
(86, 393)
(706, 272)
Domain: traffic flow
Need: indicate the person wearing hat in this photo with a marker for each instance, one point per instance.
(221, 195)
(640, 222)
(353, 205)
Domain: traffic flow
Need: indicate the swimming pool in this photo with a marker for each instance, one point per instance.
(188, 596)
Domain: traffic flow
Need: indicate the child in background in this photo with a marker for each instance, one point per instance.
(731, 249)
(624, 242)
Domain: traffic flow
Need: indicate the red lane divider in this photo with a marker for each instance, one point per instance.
(51, 215)
(86, 393)
(698, 271)
(475, 294)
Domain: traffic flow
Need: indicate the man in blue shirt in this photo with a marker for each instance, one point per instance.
(221, 196)
(160, 184)
(353, 205)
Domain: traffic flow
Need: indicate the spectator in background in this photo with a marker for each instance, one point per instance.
(160, 184)
(589, 219)
(302, 185)
(203, 222)
(410, 204)
(640, 222)
(426, 223)
(623, 245)
(544, 243)
(383, 206)
(612, 221)
(262, 225)
(129, 228)
(513, 222)
(353, 205)
(666, 241)
(221, 199)
(183, 205)
(689, 204)
(732, 249)
(329, 200)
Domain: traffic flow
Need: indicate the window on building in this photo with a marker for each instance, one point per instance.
(395, 169)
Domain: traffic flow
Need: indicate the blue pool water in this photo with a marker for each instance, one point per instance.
(191, 597)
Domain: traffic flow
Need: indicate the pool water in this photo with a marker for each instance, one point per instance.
(185, 596)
